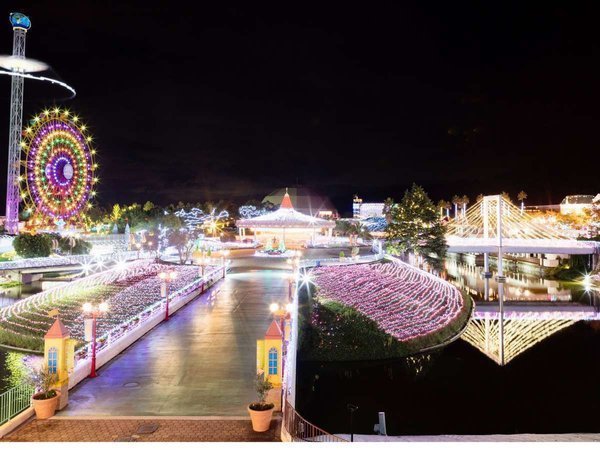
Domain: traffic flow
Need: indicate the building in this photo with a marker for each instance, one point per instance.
(286, 227)
(361, 210)
(576, 204)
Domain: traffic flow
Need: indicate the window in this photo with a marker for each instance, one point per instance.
(52, 360)
(273, 361)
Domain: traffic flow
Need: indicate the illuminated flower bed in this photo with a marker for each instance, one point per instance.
(405, 302)
(127, 296)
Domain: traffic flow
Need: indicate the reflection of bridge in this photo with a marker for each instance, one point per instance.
(494, 225)
(494, 222)
(523, 326)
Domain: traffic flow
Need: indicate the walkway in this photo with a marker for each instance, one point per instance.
(123, 429)
(200, 363)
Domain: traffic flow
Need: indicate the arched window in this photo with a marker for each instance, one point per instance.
(273, 361)
(52, 360)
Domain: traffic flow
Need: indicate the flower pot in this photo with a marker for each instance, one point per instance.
(261, 420)
(45, 408)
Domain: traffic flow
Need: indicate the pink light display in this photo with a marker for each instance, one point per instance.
(404, 301)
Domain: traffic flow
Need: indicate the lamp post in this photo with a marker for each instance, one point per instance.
(203, 263)
(95, 311)
(138, 246)
(224, 254)
(352, 408)
(167, 278)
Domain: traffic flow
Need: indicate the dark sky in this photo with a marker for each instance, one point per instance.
(207, 101)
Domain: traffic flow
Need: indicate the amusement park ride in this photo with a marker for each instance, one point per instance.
(50, 162)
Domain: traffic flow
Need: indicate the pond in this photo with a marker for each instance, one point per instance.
(548, 384)
(550, 388)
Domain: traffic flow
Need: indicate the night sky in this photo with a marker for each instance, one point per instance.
(210, 101)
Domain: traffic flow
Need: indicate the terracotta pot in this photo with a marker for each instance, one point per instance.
(46, 408)
(261, 420)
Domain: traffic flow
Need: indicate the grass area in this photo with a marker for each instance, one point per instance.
(331, 331)
(10, 284)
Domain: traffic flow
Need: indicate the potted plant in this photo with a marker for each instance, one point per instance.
(45, 398)
(261, 411)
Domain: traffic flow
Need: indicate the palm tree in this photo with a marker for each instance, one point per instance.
(447, 205)
(479, 198)
(521, 196)
(442, 204)
(388, 206)
(456, 199)
(506, 196)
(465, 202)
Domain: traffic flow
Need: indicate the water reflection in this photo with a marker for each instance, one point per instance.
(9, 296)
(524, 282)
(519, 335)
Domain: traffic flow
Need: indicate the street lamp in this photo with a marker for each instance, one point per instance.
(167, 278)
(224, 254)
(95, 311)
(203, 263)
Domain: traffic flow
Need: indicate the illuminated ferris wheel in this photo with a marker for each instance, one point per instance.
(58, 180)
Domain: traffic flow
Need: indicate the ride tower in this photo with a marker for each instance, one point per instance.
(20, 23)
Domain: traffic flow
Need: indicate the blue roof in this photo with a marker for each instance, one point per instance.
(19, 20)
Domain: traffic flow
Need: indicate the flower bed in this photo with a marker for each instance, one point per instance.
(405, 302)
(128, 293)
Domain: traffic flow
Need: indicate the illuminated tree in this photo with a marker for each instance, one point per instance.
(456, 199)
(521, 196)
(465, 201)
(416, 228)
(388, 206)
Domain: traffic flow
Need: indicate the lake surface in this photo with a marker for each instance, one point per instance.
(549, 384)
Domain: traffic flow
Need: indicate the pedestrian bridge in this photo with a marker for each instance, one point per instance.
(493, 223)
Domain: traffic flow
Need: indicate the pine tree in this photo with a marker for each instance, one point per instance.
(415, 228)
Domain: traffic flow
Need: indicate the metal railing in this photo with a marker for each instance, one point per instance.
(14, 401)
(301, 430)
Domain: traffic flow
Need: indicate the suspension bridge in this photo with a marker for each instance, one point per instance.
(494, 222)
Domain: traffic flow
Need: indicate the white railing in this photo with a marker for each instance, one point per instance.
(14, 401)
(342, 261)
(105, 277)
(131, 325)
(74, 260)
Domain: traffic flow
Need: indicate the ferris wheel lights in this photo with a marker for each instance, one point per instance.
(75, 119)
(46, 112)
(83, 127)
(56, 110)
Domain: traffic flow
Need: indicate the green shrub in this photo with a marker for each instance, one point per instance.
(33, 245)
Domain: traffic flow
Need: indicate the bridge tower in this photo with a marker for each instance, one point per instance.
(493, 208)
(20, 23)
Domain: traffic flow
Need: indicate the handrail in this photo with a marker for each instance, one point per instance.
(301, 430)
(14, 401)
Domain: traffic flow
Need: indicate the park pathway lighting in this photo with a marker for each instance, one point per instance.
(167, 278)
(224, 255)
(94, 311)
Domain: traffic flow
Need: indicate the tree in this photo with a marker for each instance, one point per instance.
(33, 245)
(465, 201)
(506, 196)
(415, 228)
(479, 198)
(388, 206)
(148, 207)
(521, 196)
(183, 241)
(442, 204)
(456, 199)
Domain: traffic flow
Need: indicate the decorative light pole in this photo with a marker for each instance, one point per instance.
(95, 311)
(224, 254)
(167, 278)
(202, 263)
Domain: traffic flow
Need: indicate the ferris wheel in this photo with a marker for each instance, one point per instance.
(58, 180)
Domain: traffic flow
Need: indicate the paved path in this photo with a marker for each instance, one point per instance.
(141, 430)
(200, 363)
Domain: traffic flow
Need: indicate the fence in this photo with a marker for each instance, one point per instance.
(14, 401)
(301, 430)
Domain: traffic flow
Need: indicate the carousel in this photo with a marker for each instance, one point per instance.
(285, 228)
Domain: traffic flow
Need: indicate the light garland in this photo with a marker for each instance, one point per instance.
(405, 302)
(59, 166)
